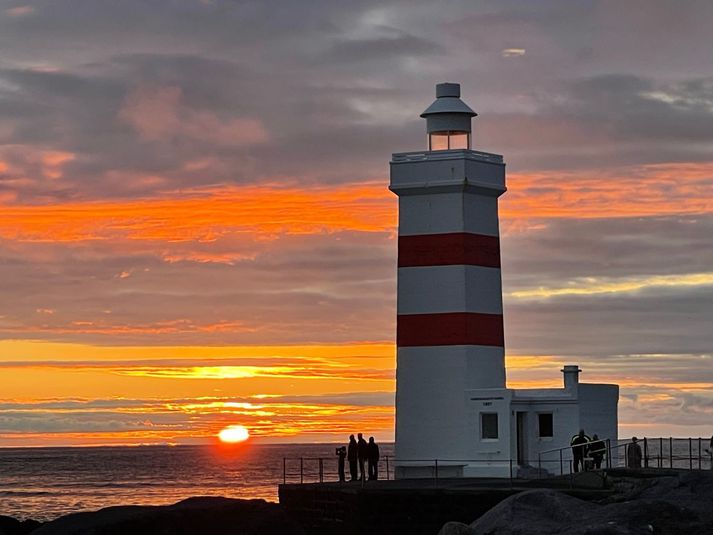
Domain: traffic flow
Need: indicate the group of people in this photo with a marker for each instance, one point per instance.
(582, 446)
(363, 458)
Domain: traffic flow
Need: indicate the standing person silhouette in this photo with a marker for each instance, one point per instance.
(352, 455)
(633, 454)
(373, 459)
(597, 450)
(579, 450)
(362, 454)
(341, 455)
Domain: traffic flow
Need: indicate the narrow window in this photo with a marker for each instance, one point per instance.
(489, 425)
(544, 424)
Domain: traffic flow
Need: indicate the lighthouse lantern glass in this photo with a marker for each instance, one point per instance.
(448, 140)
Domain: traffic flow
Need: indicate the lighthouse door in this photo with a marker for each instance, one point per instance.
(521, 438)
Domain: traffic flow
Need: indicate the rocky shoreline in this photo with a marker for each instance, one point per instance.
(193, 516)
(644, 503)
(657, 502)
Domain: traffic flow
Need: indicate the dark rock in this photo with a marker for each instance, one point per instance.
(456, 528)
(531, 512)
(662, 506)
(194, 516)
(11, 526)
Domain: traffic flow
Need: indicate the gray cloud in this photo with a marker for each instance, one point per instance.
(337, 84)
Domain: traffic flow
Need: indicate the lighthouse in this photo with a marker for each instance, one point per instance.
(452, 404)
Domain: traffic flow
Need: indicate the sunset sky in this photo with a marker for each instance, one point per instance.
(196, 229)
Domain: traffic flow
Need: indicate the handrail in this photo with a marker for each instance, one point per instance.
(573, 446)
(657, 453)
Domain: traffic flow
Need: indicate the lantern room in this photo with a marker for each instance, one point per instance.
(448, 120)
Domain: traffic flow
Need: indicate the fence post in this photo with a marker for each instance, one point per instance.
(571, 475)
(321, 470)
(539, 465)
(690, 453)
(561, 466)
(302, 474)
(387, 468)
(699, 453)
(660, 452)
(609, 453)
(436, 471)
(670, 452)
(646, 453)
(284, 470)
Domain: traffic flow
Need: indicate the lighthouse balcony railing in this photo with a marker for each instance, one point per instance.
(416, 156)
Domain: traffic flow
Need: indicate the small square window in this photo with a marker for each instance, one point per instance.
(545, 425)
(489, 425)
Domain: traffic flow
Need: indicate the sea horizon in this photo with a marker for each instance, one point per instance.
(43, 483)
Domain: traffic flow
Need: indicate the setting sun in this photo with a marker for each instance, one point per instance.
(233, 434)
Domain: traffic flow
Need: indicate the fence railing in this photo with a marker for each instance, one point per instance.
(678, 453)
(681, 453)
(321, 469)
(566, 459)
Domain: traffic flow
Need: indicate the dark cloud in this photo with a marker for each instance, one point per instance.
(638, 323)
(554, 252)
(383, 48)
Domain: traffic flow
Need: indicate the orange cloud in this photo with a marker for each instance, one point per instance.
(266, 211)
(102, 327)
(206, 216)
(649, 190)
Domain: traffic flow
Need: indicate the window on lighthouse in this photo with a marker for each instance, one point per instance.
(489, 425)
(448, 140)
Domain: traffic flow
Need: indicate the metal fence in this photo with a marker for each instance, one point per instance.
(323, 469)
(678, 453)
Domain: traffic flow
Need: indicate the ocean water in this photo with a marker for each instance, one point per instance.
(44, 483)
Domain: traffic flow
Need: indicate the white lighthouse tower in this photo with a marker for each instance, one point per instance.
(452, 404)
(450, 313)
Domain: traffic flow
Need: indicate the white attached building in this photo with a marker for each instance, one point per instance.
(451, 401)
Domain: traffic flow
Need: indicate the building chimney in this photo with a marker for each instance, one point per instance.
(571, 377)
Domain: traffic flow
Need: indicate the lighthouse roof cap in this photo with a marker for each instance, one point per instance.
(448, 101)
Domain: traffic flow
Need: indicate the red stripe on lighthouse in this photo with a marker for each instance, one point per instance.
(449, 249)
(450, 329)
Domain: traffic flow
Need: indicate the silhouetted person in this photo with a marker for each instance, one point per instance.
(352, 456)
(597, 449)
(579, 450)
(362, 454)
(341, 455)
(373, 459)
(633, 454)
